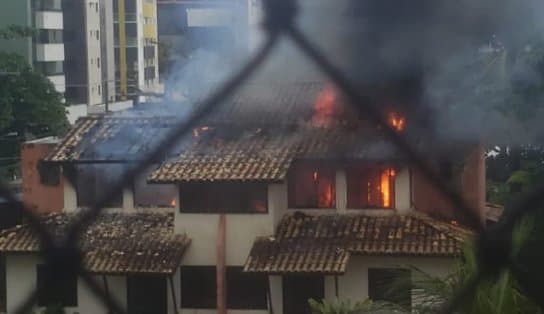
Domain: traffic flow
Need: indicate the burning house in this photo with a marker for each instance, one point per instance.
(280, 196)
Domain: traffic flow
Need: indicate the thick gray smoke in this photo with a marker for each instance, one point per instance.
(449, 65)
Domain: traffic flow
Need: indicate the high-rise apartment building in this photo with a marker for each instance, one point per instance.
(45, 51)
(136, 48)
(83, 52)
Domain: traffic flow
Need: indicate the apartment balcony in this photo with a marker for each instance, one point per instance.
(49, 52)
(59, 81)
(131, 42)
(49, 20)
(129, 18)
(149, 73)
(149, 52)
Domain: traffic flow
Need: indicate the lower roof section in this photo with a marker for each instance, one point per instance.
(323, 244)
(116, 243)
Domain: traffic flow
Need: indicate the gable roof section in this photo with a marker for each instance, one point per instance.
(110, 138)
(324, 243)
(116, 243)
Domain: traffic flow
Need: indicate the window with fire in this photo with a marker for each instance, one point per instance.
(371, 187)
(312, 185)
(223, 197)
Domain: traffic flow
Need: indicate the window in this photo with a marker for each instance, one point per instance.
(153, 195)
(312, 185)
(54, 290)
(94, 180)
(49, 174)
(371, 187)
(224, 197)
(389, 284)
(98, 62)
(97, 32)
(198, 287)
(246, 291)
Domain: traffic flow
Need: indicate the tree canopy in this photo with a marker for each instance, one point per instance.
(30, 107)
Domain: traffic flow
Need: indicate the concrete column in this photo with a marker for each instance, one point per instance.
(128, 198)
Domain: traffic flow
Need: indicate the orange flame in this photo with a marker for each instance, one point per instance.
(384, 188)
(324, 108)
(173, 202)
(325, 200)
(205, 128)
(397, 121)
(315, 175)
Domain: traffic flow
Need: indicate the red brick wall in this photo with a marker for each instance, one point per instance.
(36, 196)
(469, 181)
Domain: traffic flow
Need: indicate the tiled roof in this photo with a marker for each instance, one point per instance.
(323, 243)
(110, 138)
(255, 155)
(116, 243)
(264, 154)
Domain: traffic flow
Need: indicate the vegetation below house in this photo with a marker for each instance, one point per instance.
(508, 291)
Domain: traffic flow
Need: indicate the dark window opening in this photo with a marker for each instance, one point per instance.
(147, 294)
(312, 185)
(153, 195)
(92, 181)
(224, 197)
(198, 287)
(371, 187)
(49, 174)
(246, 291)
(54, 289)
(390, 285)
(298, 289)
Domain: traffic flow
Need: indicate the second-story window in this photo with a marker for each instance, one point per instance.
(223, 197)
(371, 187)
(312, 185)
(153, 195)
(93, 180)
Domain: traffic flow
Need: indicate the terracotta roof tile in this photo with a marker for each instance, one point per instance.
(324, 243)
(117, 243)
(110, 138)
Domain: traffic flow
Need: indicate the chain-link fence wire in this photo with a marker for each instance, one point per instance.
(63, 257)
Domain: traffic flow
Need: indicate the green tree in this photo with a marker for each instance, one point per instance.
(30, 107)
(500, 294)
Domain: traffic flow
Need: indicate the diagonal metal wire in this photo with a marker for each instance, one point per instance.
(175, 135)
(108, 302)
(279, 20)
(31, 218)
(26, 306)
(370, 112)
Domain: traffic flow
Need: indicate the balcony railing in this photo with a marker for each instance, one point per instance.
(129, 18)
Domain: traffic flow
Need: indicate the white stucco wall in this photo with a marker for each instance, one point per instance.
(353, 284)
(94, 62)
(21, 280)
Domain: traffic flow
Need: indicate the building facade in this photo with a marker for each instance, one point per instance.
(45, 51)
(136, 49)
(257, 212)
